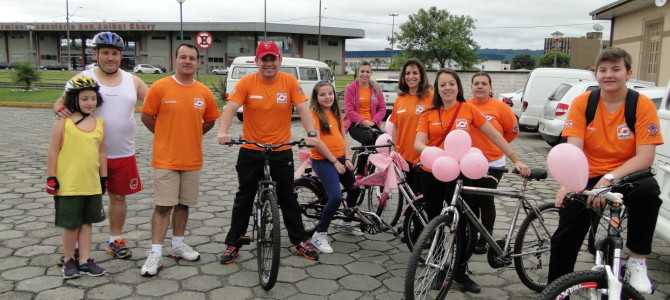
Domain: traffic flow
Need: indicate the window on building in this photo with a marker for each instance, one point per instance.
(215, 59)
(218, 40)
(158, 37)
(333, 43)
(312, 42)
(651, 50)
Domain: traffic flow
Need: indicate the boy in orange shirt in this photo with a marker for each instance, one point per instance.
(611, 155)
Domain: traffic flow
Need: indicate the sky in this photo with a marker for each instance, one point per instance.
(504, 24)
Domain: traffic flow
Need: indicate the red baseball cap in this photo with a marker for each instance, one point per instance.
(265, 48)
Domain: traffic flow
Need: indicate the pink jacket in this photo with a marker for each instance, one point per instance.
(377, 105)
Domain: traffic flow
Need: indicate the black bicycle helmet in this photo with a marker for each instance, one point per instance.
(80, 84)
(108, 39)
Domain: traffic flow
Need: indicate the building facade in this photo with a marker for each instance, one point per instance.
(582, 50)
(155, 43)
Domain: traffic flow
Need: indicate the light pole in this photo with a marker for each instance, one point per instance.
(392, 34)
(556, 35)
(318, 49)
(181, 21)
(30, 43)
(265, 20)
(67, 24)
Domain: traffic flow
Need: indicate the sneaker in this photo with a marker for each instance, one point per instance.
(636, 272)
(153, 263)
(228, 255)
(481, 247)
(61, 260)
(350, 228)
(70, 269)
(469, 285)
(91, 268)
(307, 250)
(320, 241)
(118, 249)
(185, 252)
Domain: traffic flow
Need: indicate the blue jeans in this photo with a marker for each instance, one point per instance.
(331, 180)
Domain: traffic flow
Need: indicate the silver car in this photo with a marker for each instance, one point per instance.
(390, 90)
(556, 109)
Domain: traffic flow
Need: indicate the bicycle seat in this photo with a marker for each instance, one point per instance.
(535, 173)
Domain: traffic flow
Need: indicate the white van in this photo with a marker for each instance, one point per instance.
(307, 71)
(541, 83)
(662, 166)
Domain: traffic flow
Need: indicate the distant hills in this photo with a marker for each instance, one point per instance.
(508, 53)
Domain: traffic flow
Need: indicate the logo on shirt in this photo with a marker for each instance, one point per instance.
(300, 90)
(515, 128)
(232, 92)
(198, 103)
(623, 132)
(255, 97)
(568, 124)
(282, 98)
(462, 124)
(420, 109)
(652, 128)
(488, 117)
(401, 111)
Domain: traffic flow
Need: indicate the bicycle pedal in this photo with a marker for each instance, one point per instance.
(245, 240)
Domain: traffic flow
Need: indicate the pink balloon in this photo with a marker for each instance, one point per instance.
(473, 149)
(474, 165)
(388, 127)
(429, 155)
(569, 166)
(303, 155)
(383, 140)
(445, 168)
(457, 143)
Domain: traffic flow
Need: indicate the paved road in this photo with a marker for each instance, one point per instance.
(370, 267)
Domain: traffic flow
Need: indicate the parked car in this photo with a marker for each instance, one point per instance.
(513, 100)
(220, 71)
(556, 108)
(161, 67)
(90, 66)
(662, 166)
(149, 69)
(57, 66)
(8, 65)
(390, 89)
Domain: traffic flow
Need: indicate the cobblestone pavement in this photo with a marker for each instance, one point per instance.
(369, 267)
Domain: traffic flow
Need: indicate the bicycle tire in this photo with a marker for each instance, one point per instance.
(580, 285)
(412, 226)
(311, 200)
(268, 242)
(391, 211)
(533, 269)
(435, 239)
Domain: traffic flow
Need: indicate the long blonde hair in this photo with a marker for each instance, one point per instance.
(320, 113)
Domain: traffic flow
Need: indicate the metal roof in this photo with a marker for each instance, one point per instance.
(620, 7)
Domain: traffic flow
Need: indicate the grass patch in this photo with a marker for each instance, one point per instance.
(37, 96)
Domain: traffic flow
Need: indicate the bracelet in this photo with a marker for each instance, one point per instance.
(514, 158)
(347, 159)
(333, 162)
(61, 108)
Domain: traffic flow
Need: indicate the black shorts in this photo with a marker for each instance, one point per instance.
(74, 211)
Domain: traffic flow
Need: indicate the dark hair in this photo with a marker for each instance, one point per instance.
(481, 74)
(614, 54)
(72, 99)
(197, 53)
(318, 110)
(424, 86)
(437, 99)
(365, 63)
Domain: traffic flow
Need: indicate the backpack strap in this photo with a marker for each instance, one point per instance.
(630, 108)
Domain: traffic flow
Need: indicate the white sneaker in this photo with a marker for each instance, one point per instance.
(320, 241)
(153, 263)
(350, 228)
(636, 273)
(185, 252)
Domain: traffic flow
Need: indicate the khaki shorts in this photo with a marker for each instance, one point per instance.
(172, 187)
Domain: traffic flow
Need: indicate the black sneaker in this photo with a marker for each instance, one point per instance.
(70, 269)
(481, 247)
(469, 285)
(91, 268)
(306, 249)
(228, 255)
(61, 260)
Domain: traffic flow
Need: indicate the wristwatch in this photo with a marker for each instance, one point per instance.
(609, 177)
(311, 134)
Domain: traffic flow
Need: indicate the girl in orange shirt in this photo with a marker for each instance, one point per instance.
(450, 112)
(501, 116)
(331, 159)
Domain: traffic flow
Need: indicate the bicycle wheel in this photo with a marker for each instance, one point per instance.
(268, 240)
(532, 243)
(585, 285)
(391, 209)
(311, 200)
(412, 225)
(433, 262)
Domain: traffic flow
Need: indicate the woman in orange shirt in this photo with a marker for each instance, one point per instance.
(415, 97)
(450, 112)
(501, 116)
(331, 159)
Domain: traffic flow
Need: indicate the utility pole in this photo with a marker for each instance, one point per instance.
(392, 34)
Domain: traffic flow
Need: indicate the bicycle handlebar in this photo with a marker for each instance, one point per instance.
(618, 184)
(269, 147)
(368, 147)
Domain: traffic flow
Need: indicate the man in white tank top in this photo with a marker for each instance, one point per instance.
(120, 90)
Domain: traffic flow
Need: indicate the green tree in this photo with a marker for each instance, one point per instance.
(26, 75)
(547, 60)
(376, 62)
(332, 64)
(397, 63)
(523, 61)
(436, 36)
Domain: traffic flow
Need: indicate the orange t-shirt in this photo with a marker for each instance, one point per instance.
(179, 111)
(608, 143)
(435, 122)
(267, 107)
(501, 116)
(406, 112)
(333, 141)
(364, 103)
